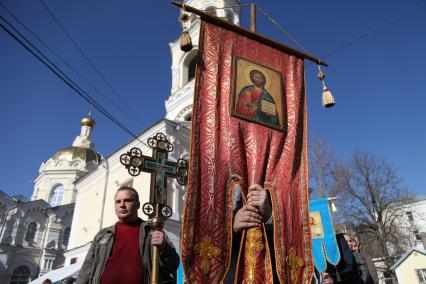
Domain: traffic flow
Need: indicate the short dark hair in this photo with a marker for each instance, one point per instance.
(135, 193)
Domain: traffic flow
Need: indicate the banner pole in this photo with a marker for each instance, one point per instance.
(253, 17)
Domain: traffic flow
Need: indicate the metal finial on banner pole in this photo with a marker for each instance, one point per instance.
(327, 97)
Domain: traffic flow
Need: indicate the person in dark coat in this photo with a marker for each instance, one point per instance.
(346, 270)
(366, 266)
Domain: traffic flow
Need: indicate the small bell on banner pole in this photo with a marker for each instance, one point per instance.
(327, 97)
(185, 38)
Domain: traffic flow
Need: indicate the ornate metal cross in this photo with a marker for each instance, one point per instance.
(160, 168)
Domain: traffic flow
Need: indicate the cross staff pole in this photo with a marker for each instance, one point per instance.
(160, 169)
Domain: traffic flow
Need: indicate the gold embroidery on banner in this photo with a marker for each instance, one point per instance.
(295, 264)
(206, 251)
(254, 240)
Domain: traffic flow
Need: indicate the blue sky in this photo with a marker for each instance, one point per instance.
(378, 81)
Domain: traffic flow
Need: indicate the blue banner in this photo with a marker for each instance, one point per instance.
(324, 244)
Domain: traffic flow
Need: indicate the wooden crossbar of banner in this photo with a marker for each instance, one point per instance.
(222, 23)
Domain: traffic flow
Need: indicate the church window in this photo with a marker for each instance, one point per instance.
(57, 195)
(21, 275)
(191, 68)
(31, 231)
(188, 67)
(188, 117)
(66, 236)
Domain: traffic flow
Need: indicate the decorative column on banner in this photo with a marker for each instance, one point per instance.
(160, 168)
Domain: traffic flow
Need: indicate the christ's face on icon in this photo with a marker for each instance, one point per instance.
(257, 78)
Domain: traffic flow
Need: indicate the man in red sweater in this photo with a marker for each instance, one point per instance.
(122, 253)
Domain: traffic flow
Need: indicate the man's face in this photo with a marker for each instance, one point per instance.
(348, 240)
(126, 206)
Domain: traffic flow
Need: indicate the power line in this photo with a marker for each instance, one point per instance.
(282, 29)
(64, 61)
(375, 30)
(88, 60)
(61, 75)
(351, 42)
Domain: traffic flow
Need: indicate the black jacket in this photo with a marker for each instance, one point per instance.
(347, 267)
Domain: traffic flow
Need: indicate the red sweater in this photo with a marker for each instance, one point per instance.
(124, 265)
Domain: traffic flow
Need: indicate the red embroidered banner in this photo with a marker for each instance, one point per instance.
(249, 127)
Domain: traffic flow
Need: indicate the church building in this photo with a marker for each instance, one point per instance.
(35, 234)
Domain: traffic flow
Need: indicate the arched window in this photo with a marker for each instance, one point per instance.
(188, 117)
(191, 68)
(31, 231)
(188, 67)
(21, 275)
(66, 236)
(57, 195)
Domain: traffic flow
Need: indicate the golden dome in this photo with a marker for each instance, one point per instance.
(72, 153)
(88, 121)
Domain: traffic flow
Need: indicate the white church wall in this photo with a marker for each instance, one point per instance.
(87, 211)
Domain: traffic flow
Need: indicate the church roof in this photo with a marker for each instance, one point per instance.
(72, 153)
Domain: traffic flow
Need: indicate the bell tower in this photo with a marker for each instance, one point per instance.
(179, 104)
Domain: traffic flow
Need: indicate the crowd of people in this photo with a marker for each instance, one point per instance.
(122, 253)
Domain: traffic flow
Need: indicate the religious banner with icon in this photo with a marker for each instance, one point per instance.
(249, 127)
(258, 94)
(324, 244)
